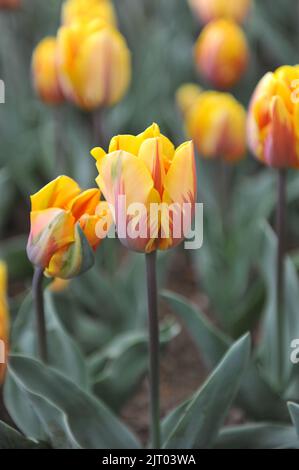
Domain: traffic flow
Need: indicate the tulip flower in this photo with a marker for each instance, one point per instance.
(94, 64)
(273, 139)
(147, 170)
(140, 173)
(215, 121)
(86, 10)
(10, 4)
(63, 221)
(221, 53)
(44, 72)
(4, 320)
(209, 10)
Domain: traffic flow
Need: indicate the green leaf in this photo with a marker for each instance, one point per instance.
(90, 424)
(294, 412)
(12, 439)
(201, 419)
(118, 369)
(63, 352)
(258, 436)
(269, 349)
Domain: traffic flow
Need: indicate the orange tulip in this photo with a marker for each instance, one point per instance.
(63, 227)
(94, 64)
(4, 321)
(10, 4)
(87, 10)
(273, 119)
(44, 72)
(215, 121)
(221, 53)
(151, 176)
(209, 10)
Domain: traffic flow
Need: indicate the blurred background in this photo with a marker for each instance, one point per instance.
(224, 279)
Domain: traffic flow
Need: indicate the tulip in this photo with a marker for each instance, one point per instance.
(147, 170)
(4, 320)
(10, 4)
(209, 10)
(63, 220)
(215, 121)
(221, 53)
(44, 72)
(86, 10)
(94, 64)
(272, 119)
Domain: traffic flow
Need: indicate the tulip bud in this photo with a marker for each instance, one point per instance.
(216, 122)
(87, 10)
(4, 321)
(221, 53)
(10, 4)
(272, 126)
(63, 228)
(145, 179)
(44, 72)
(209, 10)
(94, 64)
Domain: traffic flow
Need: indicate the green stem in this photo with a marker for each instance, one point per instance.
(154, 347)
(38, 297)
(280, 229)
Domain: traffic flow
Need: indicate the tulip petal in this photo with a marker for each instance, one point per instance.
(151, 153)
(128, 143)
(96, 227)
(85, 203)
(98, 153)
(57, 194)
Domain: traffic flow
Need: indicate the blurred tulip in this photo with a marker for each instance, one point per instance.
(273, 132)
(209, 10)
(10, 4)
(87, 10)
(44, 72)
(147, 171)
(94, 64)
(63, 227)
(221, 53)
(4, 317)
(215, 121)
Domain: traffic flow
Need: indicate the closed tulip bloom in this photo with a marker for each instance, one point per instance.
(209, 10)
(4, 321)
(87, 10)
(94, 64)
(147, 170)
(44, 72)
(221, 53)
(63, 227)
(273, 129)
(215, 121)
(10, 4)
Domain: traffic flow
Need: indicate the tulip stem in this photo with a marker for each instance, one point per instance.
(38, 297)
(280, 230)
(154, 348)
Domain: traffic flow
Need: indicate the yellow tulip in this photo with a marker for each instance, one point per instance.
(148, 172)
(273, 118)
(63, 227)
(209, 10)
(44, 72)
(4, 320)
(215, 121)
(94, 64)
(86, 10)
(221, 53)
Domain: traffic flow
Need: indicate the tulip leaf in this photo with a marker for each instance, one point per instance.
(118, 368)
(269, 349)
(199, 423)
(12, 439)
(294, 412)
(258, 436)
(63, 352)
(90, 424)
(255, 395)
